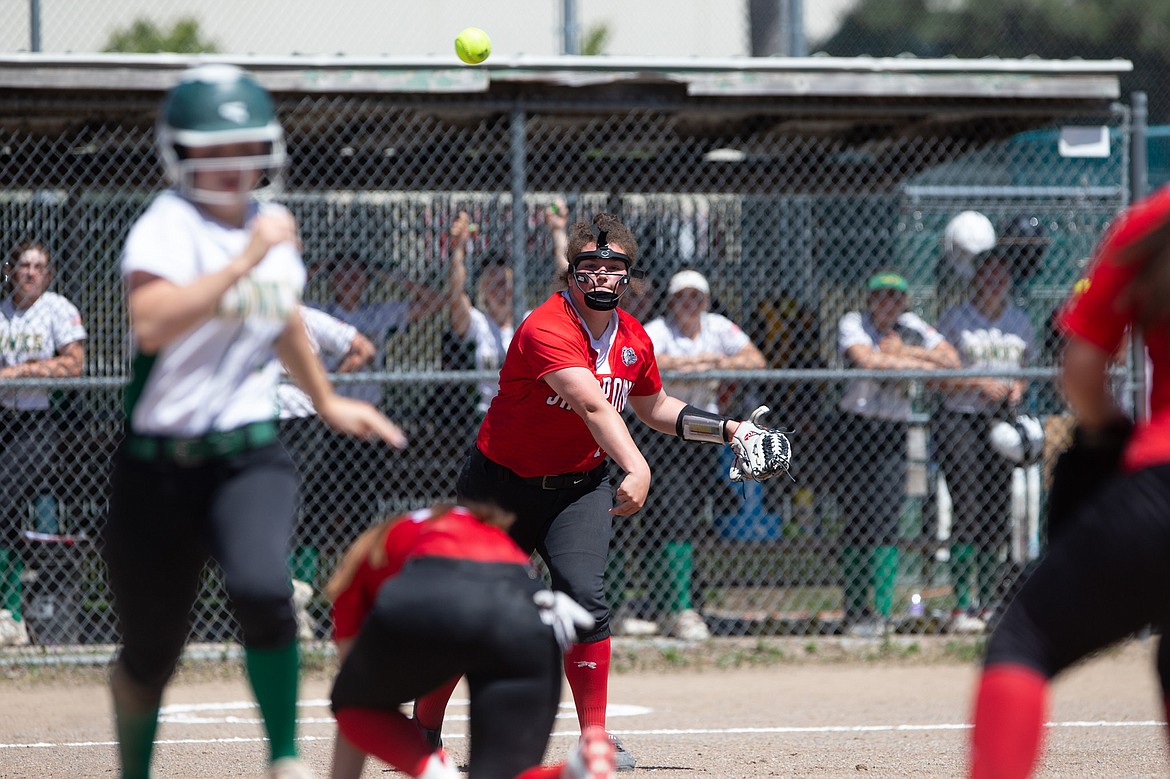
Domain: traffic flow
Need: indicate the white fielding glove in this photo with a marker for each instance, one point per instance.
(760, 452)
(564, 615)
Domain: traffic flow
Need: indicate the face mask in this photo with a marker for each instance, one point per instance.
(595, 298)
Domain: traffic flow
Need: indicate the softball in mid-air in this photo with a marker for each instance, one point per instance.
(473, 45)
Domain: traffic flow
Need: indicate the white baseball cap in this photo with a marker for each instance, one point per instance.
(688, 279)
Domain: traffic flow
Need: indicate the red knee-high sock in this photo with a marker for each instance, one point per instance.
(587, 671)
(1009, 722)
(430, 708)
(386, 735)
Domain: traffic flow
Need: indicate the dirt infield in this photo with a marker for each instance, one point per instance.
(731, 709)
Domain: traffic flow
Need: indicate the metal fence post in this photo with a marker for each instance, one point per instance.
(1139, 184)
(519, 179)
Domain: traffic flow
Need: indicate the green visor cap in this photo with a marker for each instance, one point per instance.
(887, 281)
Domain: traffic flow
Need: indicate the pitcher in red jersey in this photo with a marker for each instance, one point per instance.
(573, 365)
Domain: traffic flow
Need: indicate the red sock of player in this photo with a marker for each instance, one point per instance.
(430, 708)
(386, 735)
(1009, 722)
(587, 671)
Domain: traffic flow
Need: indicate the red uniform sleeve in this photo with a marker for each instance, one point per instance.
(1093, 312)
(547, 347)
(1096, 312)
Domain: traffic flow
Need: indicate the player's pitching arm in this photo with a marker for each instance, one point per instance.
(579, 387)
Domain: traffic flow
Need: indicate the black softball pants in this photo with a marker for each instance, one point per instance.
(979, 480)
(1104, 579)
(166, 521)
(28, 450)
(441, 618)
(569, 528)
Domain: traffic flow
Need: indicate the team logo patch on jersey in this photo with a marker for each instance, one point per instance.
(628, 356)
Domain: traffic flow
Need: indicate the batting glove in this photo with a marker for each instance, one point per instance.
(564, 615)
(760, 452)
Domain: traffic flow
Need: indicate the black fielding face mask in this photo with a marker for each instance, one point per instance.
(601, 299)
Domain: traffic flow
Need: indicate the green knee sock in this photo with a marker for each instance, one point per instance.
(854, 580)
(678, 563)
(884, 561)
(303, 564)
(987, 575)
(274, 676)
(135, 731)
(11, 565)
(135, 724)
(961, 557)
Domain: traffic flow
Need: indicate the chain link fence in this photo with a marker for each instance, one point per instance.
(786, 212)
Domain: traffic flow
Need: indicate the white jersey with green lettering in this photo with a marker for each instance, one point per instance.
(223, 373)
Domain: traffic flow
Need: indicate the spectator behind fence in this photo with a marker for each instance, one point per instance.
(42, 337)
(990, 333)
(486, 327)
(349, 282)
(688, 339)
(363, 469)
(310, 441)
(213, 276)
(875, 413)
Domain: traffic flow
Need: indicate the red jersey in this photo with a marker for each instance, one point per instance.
(528, 427)
(1097, 313)
(457, 533)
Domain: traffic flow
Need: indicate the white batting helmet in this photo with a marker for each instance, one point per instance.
(966, 236)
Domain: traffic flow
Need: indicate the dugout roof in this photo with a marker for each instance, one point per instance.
(745, 107)
(865, 88)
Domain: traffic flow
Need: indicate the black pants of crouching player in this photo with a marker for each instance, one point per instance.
(570, 527)
(440, 618)
(167, 520)
(1106, 578)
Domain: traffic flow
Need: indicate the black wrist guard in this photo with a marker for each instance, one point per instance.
(695, 424)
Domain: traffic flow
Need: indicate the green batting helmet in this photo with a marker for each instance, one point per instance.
(214, 105)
